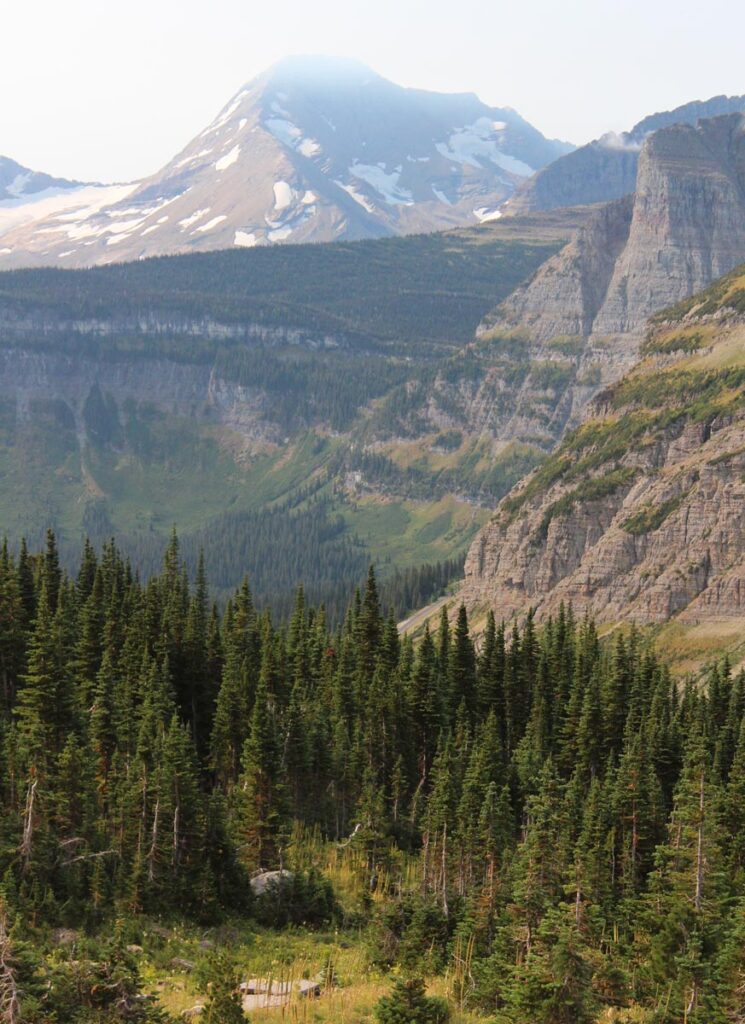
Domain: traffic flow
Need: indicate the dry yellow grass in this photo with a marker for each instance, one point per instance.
(690, 648)
(352, 1003)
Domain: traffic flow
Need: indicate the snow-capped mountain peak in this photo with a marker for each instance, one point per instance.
(313, 149)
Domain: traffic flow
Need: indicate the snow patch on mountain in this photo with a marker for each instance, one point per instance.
(384, 183)
(187, 222)
(284, 195)
(484, 215)
(228, 160)
(472, 145)
(279, 234)
(18, 184)
(193, 159)
(212, 223)
(287, 132)
(119, 223)
(223, 117)
(290, 135)
(309, 148)
(357, 196)
(83, 201)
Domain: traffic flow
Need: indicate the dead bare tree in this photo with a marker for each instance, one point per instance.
(27, 840)
(10, 1002)
(154, 842)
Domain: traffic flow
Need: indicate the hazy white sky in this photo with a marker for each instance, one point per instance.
(98, 89)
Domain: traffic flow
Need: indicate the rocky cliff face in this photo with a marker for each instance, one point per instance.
(601, 171)
(190, 390)
(606, 168)
(640, 514)
(580, 319)
(688, 221)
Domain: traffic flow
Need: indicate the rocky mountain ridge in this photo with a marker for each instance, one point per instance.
(579, 321)
(17, 181)
(28, 196)
(640, 513)
(606, 168)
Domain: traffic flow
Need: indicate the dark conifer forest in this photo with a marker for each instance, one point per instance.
(545, 815)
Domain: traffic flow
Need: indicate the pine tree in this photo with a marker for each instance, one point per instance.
(259, 799)
(41, 710)
(224, 1003)
(462, 669)
(408, 1004)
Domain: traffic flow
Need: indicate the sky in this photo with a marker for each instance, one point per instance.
(108, 91)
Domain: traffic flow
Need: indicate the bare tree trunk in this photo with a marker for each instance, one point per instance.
(698, 896)
(175, 855)
(153, 843)
(425, 861)
(10, 1005)
(445, 870)
(634, 844)
(27, 842)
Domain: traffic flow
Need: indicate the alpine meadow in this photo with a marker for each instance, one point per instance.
(372, 541)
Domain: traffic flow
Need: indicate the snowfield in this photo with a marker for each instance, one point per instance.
(385, 184)
(83, 202)
(228, 160)
(283, 195)
(212, 223)
(472, 145)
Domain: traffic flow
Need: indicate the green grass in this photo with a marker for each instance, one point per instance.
(679, 342)
(174, 473)
(406, 533)
(592, 489)
(651, 518)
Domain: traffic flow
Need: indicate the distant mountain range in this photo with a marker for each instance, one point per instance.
(315, 149)
(28, 196)
(606, 168)
(18, 183)
(323, 149)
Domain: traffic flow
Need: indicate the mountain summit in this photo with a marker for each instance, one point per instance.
(314, 149)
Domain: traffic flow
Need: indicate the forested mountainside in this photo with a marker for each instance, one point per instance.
(605, 169)
(638, 514)
(250, 393)
(553, 823)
